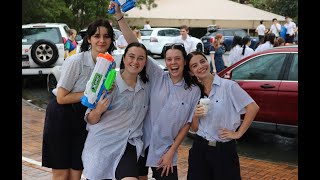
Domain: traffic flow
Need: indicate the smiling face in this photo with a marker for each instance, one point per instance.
(175, 63)
(199, 66)
(100, 41)
(135, 60)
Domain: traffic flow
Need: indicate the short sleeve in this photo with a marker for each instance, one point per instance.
(194, 103)
(239, 98)
(70, 73)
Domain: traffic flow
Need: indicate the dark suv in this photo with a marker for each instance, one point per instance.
(228, 38)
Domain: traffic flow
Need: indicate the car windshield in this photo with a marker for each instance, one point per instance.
(145, 32)
(31, 35)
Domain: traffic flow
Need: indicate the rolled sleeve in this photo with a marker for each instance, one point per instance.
(240, 98)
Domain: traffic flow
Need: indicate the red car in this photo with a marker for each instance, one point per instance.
(271, 79)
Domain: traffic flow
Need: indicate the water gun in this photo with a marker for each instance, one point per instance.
(125, 5)
(101, 79)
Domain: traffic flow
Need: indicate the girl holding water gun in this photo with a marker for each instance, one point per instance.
(64, 128)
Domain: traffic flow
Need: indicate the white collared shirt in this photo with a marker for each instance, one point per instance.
(189, 44)
(261, 29)
(274, 29)
(290, 27)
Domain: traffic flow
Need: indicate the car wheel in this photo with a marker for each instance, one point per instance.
(44, 53)
(51, 82)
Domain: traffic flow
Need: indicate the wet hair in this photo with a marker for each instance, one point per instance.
(245, 40)
(237, 40)
(194, 78)
(186, 75)
(143, 73)
(92, 29)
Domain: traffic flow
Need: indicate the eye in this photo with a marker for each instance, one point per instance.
(96, 36)
(106, 36)
(194, 66)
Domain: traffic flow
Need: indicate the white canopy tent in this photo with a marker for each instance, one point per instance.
(201, 13)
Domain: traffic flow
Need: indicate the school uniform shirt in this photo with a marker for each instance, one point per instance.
(227, 102)
(171, 107)
(274, 29)
(290, 27)
(247, 52)
(264, 46)
(234, 54)
(106, 141)
(189, 44)
(261, 29)
(75, 73)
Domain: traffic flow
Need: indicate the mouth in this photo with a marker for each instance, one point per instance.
(134, 66)
(174, 69)
(203, 70)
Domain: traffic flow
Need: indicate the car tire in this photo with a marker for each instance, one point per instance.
(51, 83)
(44, 53)
(199, 47)
(163, 52)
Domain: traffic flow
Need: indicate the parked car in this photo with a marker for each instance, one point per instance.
(42, 47)
(155, 39)
(228, 35)
(271, 78)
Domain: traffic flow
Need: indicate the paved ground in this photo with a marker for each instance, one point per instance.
(32, 126)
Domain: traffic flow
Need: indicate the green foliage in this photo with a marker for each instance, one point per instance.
(76, 13)
(281, 7)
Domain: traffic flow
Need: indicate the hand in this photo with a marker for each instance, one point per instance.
(166, 163)
(117, 13)
(112, 88)
(200, 111)
(227, 134)
(103, 103)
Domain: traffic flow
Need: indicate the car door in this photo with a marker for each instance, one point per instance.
(288, 94)
(261, 77)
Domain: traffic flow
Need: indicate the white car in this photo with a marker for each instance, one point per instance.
(155, 39)
(42, 47)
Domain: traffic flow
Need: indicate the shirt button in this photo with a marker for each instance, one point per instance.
(129, 131)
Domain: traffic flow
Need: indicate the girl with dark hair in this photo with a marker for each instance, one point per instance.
(114, 139)
(235, 52)
(216, 54)
(64, 131)
(173, 97)
(246, 50)
(213, 154)
(268, 43)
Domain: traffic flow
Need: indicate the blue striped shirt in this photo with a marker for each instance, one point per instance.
(107, 139)
(171, 107)
(227, 102)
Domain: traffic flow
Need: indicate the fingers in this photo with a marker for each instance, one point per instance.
(163, 171)
(102, 95)
(172, 169)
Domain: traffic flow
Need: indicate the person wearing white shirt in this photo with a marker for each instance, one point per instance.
(121, 42)
(275, 27)
(291, 29)
(184, 38)
(268, 43)
(235, 52)
(246, 50)
(261, 30)
(147, 25)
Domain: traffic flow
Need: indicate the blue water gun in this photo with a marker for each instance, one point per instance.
(125, 5)
(102, 78)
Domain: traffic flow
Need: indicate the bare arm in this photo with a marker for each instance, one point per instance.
(66, 97)
(125, 29)
(166, 160)
(212, 61)
(252, 110)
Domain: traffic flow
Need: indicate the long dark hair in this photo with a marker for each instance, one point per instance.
(270, 37)
(143, 73)
(245, 40)
(187, 77)
(236, 41)
(92, 28)
(194, 79)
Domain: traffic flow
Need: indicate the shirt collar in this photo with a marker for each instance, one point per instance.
(216, 80)
(122, 85)
(180, 83)
(88, 61)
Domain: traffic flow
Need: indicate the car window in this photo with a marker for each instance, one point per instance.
(161, 33)
(293, 73)
(31, 35)
(240, 33)
(228, 33)
(172, 32)
(266, 67)
(214, 34)
(145, 32)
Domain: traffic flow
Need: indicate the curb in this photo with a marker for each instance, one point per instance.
(34, 106)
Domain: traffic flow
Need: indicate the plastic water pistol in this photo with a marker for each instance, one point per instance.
(101, 79)
(125, 5)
